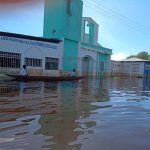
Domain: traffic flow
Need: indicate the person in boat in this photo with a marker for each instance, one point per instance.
(23, 71)
(74, 73)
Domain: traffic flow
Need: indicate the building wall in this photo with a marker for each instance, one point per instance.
(147, 69)
(63, 16)
(63, 19)
(100, 61)
(70, 60)
(54, 19)
(92, 36)
(86, 38)
(92, 55)
(73, 20)
(133, 68)
(31, 49)
(115, 67)
(127, 68)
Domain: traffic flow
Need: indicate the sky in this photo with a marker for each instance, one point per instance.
(124, 25)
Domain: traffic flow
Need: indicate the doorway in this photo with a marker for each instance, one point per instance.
(87, 66)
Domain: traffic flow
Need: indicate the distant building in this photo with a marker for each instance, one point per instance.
(131, 67)
(69, 42)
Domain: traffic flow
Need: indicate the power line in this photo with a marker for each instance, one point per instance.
(115, 16)
(121, 20)
(108, 15)
(120, 15)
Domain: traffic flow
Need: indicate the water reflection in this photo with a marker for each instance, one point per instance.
(146, 84)
(25, 99)
(66, 126)
(90, 114)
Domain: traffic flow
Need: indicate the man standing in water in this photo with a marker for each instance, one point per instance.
(23, 71)
(74, 73)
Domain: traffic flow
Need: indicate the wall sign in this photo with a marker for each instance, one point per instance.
(28, 42)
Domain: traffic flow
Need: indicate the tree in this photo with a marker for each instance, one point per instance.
(142, 55)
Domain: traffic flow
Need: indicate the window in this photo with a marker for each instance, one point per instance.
(86, 25)
(33, 62)
(51, 63)
(10, 60)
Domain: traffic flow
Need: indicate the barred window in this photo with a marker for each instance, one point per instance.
(51, 63)
(33, 62)
(10, 60)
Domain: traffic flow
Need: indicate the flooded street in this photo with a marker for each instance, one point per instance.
(86, 115)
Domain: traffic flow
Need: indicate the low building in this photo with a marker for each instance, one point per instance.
(42, 56)
(131, 67)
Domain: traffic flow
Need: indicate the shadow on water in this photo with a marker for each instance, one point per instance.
(88, 114)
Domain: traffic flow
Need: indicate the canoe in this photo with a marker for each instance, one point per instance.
(45, 78)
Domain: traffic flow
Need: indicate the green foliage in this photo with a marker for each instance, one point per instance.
(142, 55)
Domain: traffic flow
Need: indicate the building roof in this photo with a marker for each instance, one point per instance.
(28, 37)
(90, 19)
(98, 48)
(134, 59)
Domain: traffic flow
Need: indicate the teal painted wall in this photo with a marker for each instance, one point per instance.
(54, 19)
(70, 55)
(63, 20)
(73, 21)
(102, 58)
(91, 33)
(63, 16)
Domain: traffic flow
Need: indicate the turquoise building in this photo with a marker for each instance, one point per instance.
(63, 20)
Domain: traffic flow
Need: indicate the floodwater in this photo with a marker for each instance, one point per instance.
(86, 115)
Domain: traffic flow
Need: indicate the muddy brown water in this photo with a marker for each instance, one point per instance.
(94, 114)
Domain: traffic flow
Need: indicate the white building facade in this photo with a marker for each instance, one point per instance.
(42, 56)
(95, 59)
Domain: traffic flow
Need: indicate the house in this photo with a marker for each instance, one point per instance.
(69, 42)
(131, 67)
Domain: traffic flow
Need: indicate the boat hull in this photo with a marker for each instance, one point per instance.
(44, 78)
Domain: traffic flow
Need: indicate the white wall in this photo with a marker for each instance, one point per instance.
(127, 68)
(86, 52)
(32, 49)
(85, 37)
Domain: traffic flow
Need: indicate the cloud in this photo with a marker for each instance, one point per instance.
(119, 56)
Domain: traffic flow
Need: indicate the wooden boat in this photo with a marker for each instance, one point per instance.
(45, 78)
